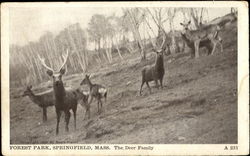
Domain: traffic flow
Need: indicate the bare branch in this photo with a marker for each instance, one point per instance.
(64, 59)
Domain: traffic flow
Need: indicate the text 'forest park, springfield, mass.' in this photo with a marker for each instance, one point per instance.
(71, 147)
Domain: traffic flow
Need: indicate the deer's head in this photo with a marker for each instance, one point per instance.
(28, 91)
(56, 75)
(86, 80)
(186, 25)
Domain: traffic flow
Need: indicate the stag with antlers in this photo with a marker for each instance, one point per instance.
(156, 71)
(64, 100)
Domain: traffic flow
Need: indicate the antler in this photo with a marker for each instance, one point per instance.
(64, 59)
(164, 40)
(43, 63)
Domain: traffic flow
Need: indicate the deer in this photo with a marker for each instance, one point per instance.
(156, 71)
(204, 43)
(209, 32)
(82, 98)
(42, 100)
(65, 100)
(95, 91)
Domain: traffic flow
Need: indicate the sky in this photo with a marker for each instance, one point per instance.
(30, 23)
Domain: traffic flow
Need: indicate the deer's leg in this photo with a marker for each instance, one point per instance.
(219, 41)
(141, 86)
(105, 96)
(161, 80)
(87, 111)
(196, 45)
(100, 102)
(98, 105)
(192, 52)
(44, 114)
(148, 87)
(209, 48)
(221, 45)
(214, 42)
(74, 113)
(67, 117)
(156, 83)
(58, 116)
(184, 46)
(90, 99)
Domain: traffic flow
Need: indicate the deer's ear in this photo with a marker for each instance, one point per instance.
(62, 71)
(49, 72)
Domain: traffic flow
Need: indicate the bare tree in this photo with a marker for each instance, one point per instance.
(96, 29)
(116, 27)
(24, 64)
(135, 17)
(161, 16)
(197, 15)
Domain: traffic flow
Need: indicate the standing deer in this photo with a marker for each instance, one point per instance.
(204, 43)
(64, 100)
(95, 91)
(82, 98)
(42, 100)
(209, 32)
(156, 71)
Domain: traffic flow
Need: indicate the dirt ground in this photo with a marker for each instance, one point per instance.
(198, 104)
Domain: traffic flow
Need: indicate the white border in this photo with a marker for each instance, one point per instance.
(159, 149)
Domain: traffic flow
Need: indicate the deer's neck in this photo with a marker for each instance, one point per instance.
(34, 98)
(159, 63)
(90, 84)
(59, 91)
(188, 34)
(188, 42)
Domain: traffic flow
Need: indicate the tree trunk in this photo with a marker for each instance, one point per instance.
(106, 50)
(137, 36)
(118, 50)
(173, 43)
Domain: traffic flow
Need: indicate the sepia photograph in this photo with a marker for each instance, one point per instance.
(98, 73)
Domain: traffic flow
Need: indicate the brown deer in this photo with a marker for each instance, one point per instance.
(156, 71)
(65, 100)
(209, 32)
(82, 98)
(42, 100)
(95, 91)
(204, 43)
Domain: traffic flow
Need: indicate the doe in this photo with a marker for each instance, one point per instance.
(95, 91)
(42, 100)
